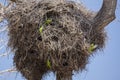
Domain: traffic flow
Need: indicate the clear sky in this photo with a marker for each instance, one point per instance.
(105, 65)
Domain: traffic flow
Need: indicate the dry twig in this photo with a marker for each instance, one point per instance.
(8, 70)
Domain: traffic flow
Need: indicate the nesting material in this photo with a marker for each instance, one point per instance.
(48, 36)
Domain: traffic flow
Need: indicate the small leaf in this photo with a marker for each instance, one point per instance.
(48, 21)
(48, 64)
(41, 29)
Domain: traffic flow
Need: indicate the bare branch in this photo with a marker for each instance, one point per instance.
(106, 14)
(1, 12)
(4, 54)
(8, 70)
(3, 29)
(4, 9)
(4, 44)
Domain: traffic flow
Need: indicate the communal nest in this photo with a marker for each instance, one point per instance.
(51, 36)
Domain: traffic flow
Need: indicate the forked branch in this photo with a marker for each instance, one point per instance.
(106, 14)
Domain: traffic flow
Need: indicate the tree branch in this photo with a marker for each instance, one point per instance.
(4, 9)
(1, 12)
(8, 70)
(4, 54)
(106, 14)
(3, 29)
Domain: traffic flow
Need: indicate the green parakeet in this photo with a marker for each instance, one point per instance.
(48, 21)
(41, 29)
(92, 47)
(48, 64)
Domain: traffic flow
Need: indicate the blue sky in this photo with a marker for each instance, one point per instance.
(103, 66)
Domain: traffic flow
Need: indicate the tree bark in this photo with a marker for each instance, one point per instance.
(106, 14)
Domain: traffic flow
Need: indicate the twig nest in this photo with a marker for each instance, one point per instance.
(51, 37)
